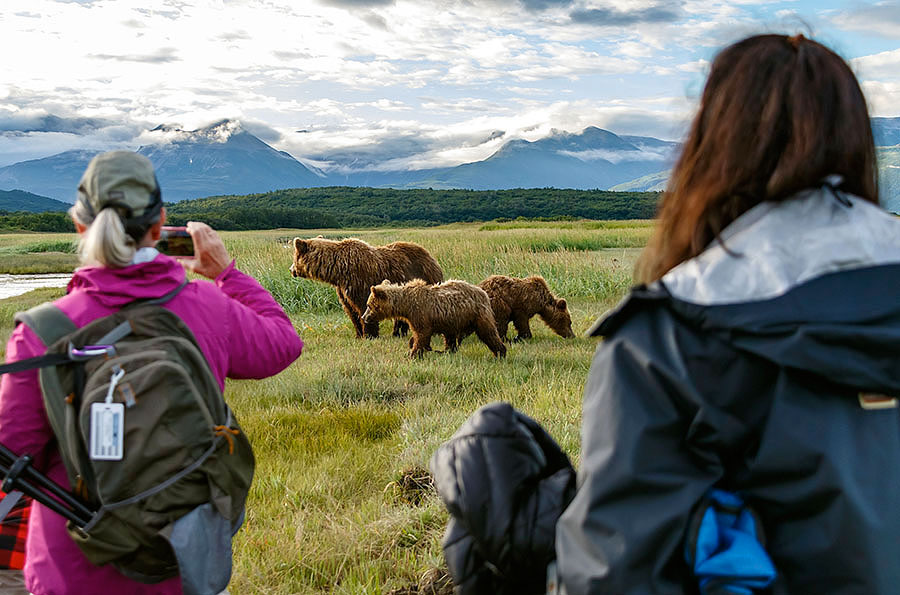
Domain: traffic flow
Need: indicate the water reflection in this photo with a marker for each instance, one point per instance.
(13, 285)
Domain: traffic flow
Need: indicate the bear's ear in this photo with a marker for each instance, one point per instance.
(561, 304)
(386, 282)
(377, 292)
(301, 246)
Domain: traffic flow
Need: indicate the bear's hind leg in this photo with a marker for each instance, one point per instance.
(520, 321)
(487, 332)
(501, 316)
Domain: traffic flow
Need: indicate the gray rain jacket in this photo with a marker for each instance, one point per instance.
(764, 366)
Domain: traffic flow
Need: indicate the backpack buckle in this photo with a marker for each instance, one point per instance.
(90, 351)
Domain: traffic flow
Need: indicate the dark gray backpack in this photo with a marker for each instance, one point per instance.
(169, 483)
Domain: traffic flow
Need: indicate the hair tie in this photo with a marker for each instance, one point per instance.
(795, 40)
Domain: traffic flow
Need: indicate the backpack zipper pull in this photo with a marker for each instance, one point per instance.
(114, 378)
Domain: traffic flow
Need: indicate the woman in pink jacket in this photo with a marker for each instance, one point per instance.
(240, 328)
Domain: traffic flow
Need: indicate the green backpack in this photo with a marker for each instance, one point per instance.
(168, 483)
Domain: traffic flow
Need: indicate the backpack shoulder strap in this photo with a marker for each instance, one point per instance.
(48, 322)
(167, 297)
(159, 300)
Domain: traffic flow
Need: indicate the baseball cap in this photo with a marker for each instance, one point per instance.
(121, 179)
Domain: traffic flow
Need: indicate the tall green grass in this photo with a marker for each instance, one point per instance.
(37, 253)
(334, 433)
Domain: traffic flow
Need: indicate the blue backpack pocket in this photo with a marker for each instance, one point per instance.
(725, 547)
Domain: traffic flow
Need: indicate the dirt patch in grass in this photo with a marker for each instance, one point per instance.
(412, 486)
(436, 581)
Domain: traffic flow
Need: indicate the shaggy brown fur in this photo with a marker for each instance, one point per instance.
(517, 300)
(453, 309)
(353, 266)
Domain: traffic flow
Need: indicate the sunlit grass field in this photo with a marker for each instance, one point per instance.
(340, 432)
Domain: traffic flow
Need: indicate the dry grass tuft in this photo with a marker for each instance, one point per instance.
(412, 487)
(435, 581)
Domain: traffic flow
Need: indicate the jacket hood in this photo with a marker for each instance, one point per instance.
(775, 247)
(116, 287)
(811, 283)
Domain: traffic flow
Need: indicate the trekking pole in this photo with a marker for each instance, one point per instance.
(19, 474)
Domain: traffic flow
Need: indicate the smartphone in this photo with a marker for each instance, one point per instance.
(175, 241)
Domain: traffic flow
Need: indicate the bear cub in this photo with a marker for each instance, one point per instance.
(453, 309)
(517, 300)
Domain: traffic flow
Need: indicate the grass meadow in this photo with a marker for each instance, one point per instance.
(341, 501)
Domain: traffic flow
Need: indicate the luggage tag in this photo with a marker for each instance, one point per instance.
(875, 402)
(108, 424)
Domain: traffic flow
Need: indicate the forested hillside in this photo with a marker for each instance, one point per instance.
(307, 208)
(19, 200)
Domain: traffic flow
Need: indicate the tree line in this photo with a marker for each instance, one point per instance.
(26, 221)
(345, 206)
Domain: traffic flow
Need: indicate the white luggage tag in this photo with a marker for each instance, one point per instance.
(108, 424)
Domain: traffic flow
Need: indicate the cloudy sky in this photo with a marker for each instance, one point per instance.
(391, 83)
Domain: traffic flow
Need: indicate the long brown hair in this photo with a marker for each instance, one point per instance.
(778, 114)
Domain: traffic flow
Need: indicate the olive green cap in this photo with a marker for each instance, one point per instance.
(121, 179)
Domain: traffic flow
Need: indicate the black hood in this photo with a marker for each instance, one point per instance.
(843, 326)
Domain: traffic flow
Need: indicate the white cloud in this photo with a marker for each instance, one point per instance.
(879, 76)
(879, 18)
(881, 66)
(621, 156)
(411, 144)
(634, 49)
(883, 98)
(452, 72)
(700, 65)
(468, 104)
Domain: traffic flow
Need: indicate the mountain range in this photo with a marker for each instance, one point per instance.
(219, 159)
(224, 158)
(592, 159)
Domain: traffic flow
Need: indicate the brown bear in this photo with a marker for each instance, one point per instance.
(453, 309)
(353, 266)
(520, 299)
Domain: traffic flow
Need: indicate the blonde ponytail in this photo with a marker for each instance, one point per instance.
(104, 242)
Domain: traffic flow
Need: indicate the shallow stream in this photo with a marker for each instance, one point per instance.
(13, 285)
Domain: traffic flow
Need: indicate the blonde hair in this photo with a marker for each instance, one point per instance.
(104, 242)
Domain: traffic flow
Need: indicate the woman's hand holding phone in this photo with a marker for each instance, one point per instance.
(175, 241)
(210, 256)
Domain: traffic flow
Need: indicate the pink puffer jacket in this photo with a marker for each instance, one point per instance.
(243, 333)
